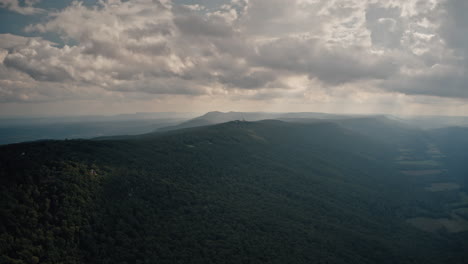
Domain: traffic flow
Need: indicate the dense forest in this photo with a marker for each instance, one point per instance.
(347, 191)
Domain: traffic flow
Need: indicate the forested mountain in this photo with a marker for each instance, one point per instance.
(338, 191)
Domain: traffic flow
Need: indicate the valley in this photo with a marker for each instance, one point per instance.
(432, 175)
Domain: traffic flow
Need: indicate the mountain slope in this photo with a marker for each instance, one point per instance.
(258, 192)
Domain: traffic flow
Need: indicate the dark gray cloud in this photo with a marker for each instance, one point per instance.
(37, 71)
(190, 23)
(438, 82)
(443, 65)
(150, 29)
(332, 66)
(454, 25)
(253, 80)
(385, 25)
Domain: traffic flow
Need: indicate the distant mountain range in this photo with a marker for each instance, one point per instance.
(217, 117)
(14, 130)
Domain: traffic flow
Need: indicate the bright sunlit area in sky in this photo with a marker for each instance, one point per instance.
(342, 56)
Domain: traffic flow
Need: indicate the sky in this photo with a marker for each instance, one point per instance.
(401, 57)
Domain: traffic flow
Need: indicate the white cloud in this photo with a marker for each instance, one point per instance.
(27, 8)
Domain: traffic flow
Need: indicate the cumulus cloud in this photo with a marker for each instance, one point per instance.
(255, 49)
(27, 8)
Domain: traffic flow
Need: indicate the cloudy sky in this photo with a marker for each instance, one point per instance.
(355, 56)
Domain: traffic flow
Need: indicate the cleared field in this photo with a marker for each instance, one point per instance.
(462, 212)
(463, 201)
(464, 197)
(453, 225)
(431, 163)
(443, 186)
(433, 149)
(405, 150)
(421, 172)
(404, 158)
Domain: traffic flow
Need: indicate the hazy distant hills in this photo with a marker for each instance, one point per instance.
(9, 121)
(379, 127)
(14, 130)
(217, 117)
(353, 190)
(421, 122)
(433, 122)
